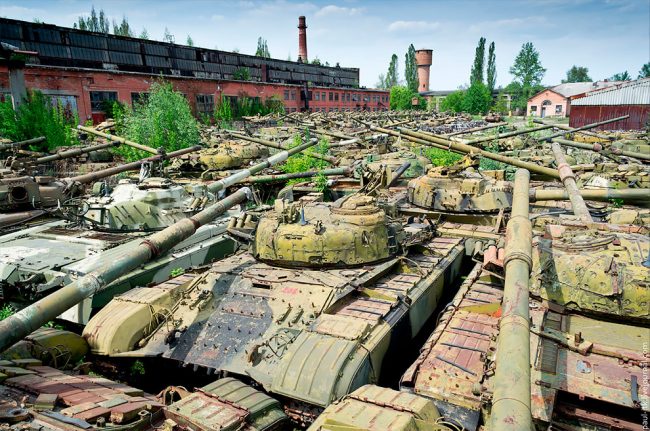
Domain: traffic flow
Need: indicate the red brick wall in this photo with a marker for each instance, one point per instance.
(79, 83)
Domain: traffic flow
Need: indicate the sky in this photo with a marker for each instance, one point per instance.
(606, 36)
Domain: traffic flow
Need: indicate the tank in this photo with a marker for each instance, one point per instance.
(558, 344)
(326, 295)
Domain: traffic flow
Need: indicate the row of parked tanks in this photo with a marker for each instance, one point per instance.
(400, 296)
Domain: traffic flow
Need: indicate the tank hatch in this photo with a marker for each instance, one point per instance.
(350, 232)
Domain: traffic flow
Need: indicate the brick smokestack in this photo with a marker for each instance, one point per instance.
(423, 58)
(302, 39)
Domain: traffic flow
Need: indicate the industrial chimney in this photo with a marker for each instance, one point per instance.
(423, 58)
(302, 39)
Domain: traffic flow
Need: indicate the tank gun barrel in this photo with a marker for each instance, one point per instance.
(94, 176)
(32, 317)
(507, 134)
(569, 180)
(476, 129)
(568, 129)
(73, 153)
(245, 173)
(398, 173)
(13, 145)
(511, 395)
(461, 148)
(600, 149)
(263, 179)
(635, 195)
(118, 139)
(329, 159)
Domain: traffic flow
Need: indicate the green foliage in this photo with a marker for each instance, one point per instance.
(441, 157)
(392, 76)
(527, 69)
(477, 99)
(500, 105)
(623, 76)
(401, 99)
(262, 48)
(476, 74)
(163, 120)
(137, 369)
(98, 23)
(320, 182)
(242, 74)
(176, 272)
(189, 41)
(124, 29)
(645, 71)
(491, 69)
(223, 113)
(6, 311)
(521, 94)
(577, 74)
(489, 164)
(144, 35)
(616, 203)
(303, 162)
(316, 61)
(454, 102)
(35, 117)
(411, 70)
(381, 82)
(167, 36)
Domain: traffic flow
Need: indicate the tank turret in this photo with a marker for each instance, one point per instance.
(227, 155)
(353, 231)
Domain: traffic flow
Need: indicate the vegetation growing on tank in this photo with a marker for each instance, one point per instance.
(164, 120)
(303, 162)
(441, 157)
(6, 311)
(39, 115)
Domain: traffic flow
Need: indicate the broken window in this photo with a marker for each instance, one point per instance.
(317, 96)
(347, 97)
(331, 96)
(139, 98)
(293, 95)
(336, 97)
(286, 94)
(558, 109)
(533, 108)
(205, 104)
(100, 99)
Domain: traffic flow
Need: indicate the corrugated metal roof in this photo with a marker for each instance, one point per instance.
(632, 93)
(569, 89)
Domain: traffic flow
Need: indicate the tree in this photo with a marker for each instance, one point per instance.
(124, 29)
(104, 25)
(189, 41)
(262, 48)
(528, 72)
(316, 61)
(144, 34)
(411, 70)
(624, 76)
(577, 74)
(478, 99)
(242, 74)
(381, 82)
(289, 57)
(527, 69)
(93, 22)
(392, 76)
(645, 71)
(476, 74)
(453, 102)
(491, 69)
(168, 37)
(401, 98)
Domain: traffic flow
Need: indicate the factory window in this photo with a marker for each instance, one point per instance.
(347, 97)
(322, 96)
(558, 109)
(331, 96)
(331, 109)
(286, 94)
(336, 97)
(317, 96)
(99, 99)
(293, 95)
(205, 104)
(355, 97)
(139, 98)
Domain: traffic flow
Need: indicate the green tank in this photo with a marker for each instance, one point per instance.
(327, 295)
(229, 154)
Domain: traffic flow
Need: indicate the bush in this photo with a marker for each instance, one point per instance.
(163, 120)
(303, 162)
(401, 99)
(223, 113)
(441, 157)
(453, 102)
(478, 99)
(35, 117)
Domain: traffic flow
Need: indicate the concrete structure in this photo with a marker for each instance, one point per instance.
(556, 101)
(83, 70)
(627, 98)
(302, 40)
(424, 59)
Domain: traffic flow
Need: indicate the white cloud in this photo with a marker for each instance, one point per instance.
(338, 10)
(412, 26)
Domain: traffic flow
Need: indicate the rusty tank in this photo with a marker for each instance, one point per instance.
(326, 295)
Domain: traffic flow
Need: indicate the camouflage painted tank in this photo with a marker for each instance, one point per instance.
(229, 154)
(615, 176)
(459, 188)
(312, 313)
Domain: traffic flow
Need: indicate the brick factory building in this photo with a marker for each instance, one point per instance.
(83, 69)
